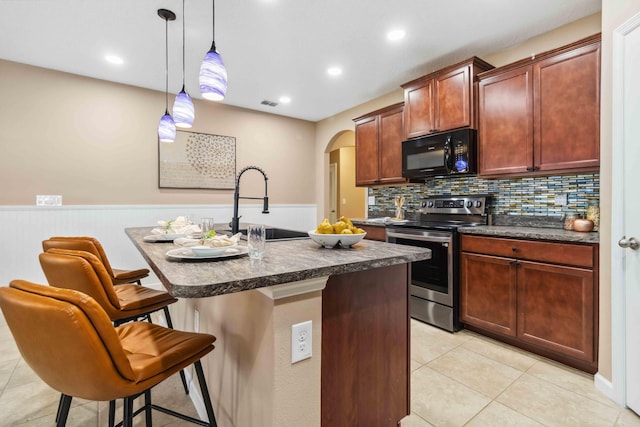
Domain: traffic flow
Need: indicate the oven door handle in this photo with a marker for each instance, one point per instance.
(418, 237)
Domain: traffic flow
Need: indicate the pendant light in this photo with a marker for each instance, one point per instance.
(213, 75)
(183, 111)
(167, 127)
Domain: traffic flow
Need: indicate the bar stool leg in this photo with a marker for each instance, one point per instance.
(147, 408)
(127, 410)
(205, 394)
(182, 375)
(112, 413)
(59, 407)
(63, 410)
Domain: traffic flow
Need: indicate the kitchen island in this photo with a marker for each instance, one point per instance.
(357, 300)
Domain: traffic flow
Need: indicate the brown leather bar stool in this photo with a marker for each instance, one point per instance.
(84, 272)
(62, 331)
(92, 245)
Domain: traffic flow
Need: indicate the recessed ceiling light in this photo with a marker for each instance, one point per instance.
(113, 59)
(395, 35)
(284, 99)
(334, 71)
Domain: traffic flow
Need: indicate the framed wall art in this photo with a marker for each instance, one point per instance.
(197, 160)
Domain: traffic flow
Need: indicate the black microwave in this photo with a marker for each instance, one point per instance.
(444, 154)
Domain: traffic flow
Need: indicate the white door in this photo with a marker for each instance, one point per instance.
(626, 203)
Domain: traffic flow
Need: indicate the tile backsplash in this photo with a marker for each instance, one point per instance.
(535, 196)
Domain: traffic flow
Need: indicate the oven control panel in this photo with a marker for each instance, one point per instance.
(475, 205)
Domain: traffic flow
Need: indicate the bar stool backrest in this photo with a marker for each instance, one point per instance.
(80, 243)
(81, 271)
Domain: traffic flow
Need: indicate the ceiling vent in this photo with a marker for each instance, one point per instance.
(269, 103)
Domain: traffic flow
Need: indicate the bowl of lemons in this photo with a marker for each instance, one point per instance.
(341, 234)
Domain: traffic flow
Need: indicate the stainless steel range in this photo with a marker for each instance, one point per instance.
(435, 283)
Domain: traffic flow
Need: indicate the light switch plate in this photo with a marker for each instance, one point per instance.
(371, 200)
(48, 200)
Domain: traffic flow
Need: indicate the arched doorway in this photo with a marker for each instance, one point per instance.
(344, 197)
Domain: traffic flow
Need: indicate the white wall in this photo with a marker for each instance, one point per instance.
(23, 228)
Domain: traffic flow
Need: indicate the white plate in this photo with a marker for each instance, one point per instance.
(187, 253)
(205, 251)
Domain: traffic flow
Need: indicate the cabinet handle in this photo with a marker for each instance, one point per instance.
(514, 263)
(536, 168)
(514, 249)
(529, 169)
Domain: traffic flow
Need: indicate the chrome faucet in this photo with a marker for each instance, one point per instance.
(235, 221)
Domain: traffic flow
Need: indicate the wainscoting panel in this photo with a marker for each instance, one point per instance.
(24, 227)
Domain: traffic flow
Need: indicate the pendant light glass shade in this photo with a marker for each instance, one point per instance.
(213, 76)
(183, 110)
(167, 128)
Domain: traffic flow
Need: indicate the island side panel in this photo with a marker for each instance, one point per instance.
(365, 348)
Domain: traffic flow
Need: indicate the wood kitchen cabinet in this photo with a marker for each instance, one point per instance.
(375, 232)
(442, 100)
(379, 147)
(542, 115)
(541, 296)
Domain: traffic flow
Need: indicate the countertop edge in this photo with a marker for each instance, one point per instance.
(549, 234)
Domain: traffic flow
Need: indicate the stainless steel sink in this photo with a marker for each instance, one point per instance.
(274, 233)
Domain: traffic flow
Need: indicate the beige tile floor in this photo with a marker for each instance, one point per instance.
(466, 379)
(461, 379)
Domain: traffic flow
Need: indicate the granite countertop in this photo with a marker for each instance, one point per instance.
(536, 233)
(283, 262)
(364, 221)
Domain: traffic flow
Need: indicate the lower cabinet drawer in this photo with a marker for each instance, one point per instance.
(556, 253)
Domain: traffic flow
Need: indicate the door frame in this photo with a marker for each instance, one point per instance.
(618, 285)
(333, 192)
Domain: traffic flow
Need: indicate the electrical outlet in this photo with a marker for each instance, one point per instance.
(196, 321)
(301, 343)
(560, 199)
(371, 200)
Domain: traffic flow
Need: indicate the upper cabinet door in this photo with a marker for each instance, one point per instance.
(541, 116)
(443, 100)
(567, 110)
(391, 146)
(419, 110)
(453, 100)
(379, 146)
(367, 151)
(505, 131)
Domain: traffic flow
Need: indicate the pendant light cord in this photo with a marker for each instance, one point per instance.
(213, 26)
(166, 64)
(183, 46)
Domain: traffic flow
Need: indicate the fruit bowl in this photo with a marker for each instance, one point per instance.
(336, 240)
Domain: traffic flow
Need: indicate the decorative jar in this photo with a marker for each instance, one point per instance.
(569, 217)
